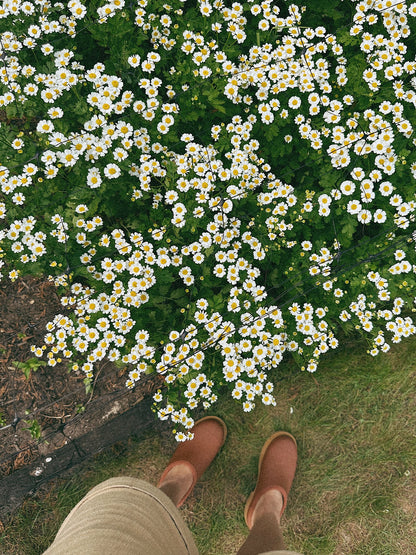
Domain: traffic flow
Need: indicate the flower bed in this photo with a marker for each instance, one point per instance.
(42, 410)
(211, 186)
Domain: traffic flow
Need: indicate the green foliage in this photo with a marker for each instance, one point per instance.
(31, 365)
(202, 181)
(34, 428)
(88, 382)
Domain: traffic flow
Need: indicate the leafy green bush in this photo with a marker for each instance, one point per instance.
(210, 186)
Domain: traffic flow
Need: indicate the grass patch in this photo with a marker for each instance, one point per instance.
(354, 488)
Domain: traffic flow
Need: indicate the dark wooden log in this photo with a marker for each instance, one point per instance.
(25, 481)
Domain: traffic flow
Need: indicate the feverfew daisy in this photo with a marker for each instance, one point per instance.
(112, 171)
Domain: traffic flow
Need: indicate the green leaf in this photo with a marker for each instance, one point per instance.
(88, 385)
(178, 293)
(149, 370)
(34, 428)
(32, 364)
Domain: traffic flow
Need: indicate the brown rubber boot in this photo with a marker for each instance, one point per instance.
(209, 436)
(277, 466)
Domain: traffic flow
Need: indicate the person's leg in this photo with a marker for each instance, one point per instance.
(128, 515)
(265, 506)
(265, 535)
(124, 515)
(177, 482)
